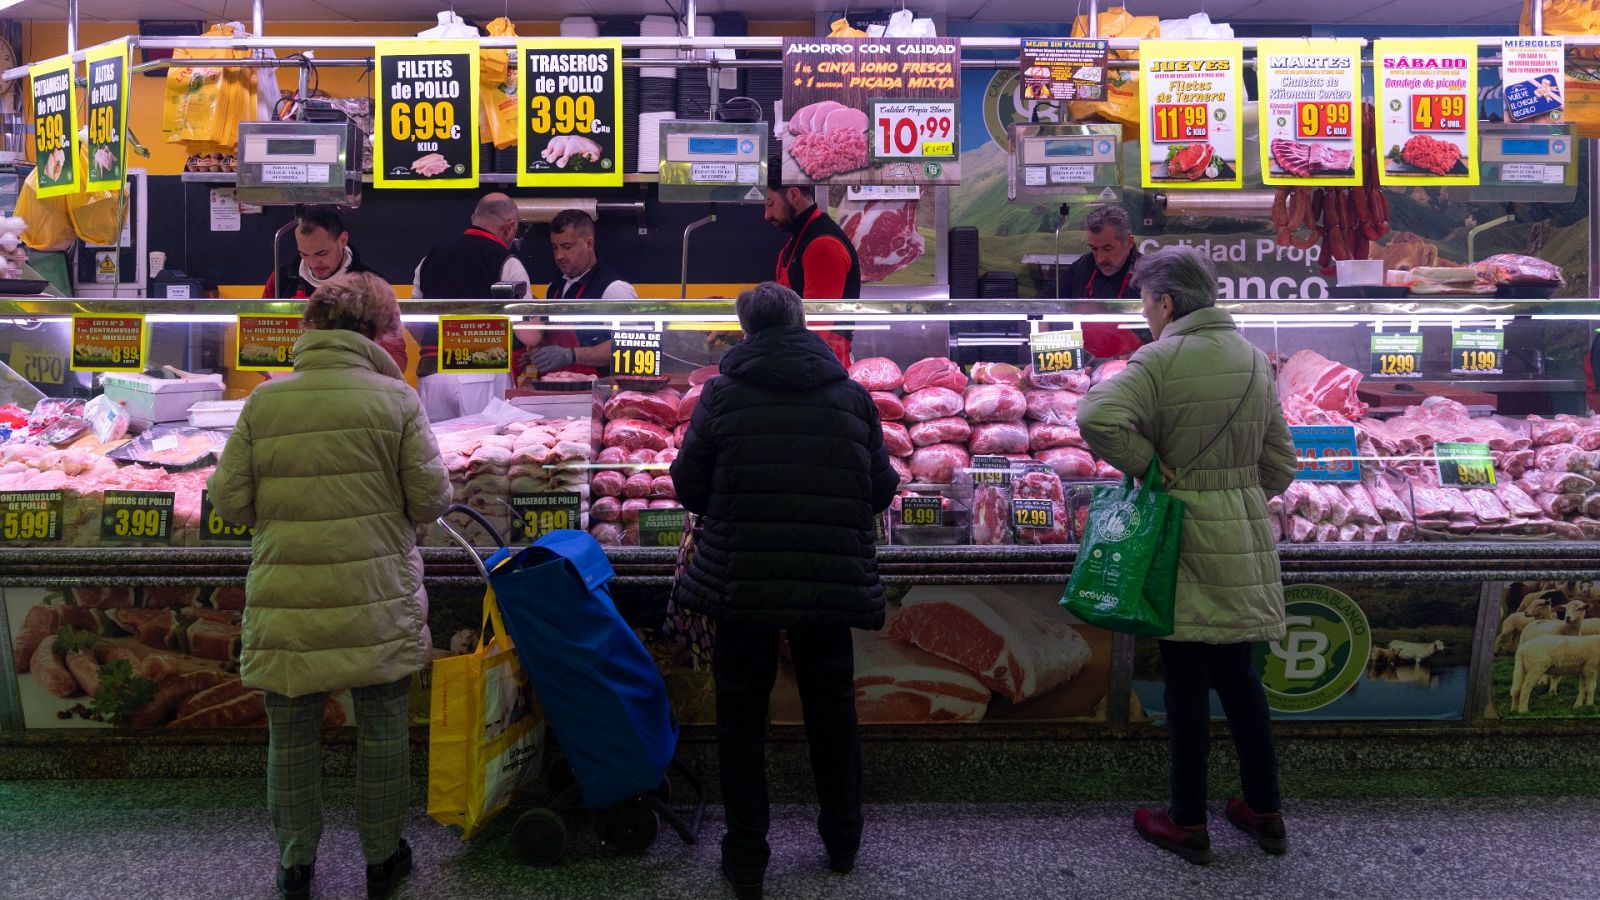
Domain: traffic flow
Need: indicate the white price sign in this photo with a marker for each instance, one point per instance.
(913, 129)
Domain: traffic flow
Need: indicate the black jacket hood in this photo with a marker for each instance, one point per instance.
(784, 359)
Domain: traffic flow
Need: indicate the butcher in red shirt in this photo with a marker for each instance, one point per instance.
(819, 261)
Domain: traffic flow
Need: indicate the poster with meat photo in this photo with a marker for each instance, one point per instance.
(858, 111)
(1190, 94)
(1427, 111)
(1310, 113)
(427, 114)
(135, 657)
(1548, 638)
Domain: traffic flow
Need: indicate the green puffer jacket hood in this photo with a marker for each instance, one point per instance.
(334, 465)
(1175, 397)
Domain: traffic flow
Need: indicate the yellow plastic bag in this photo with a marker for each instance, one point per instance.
(497, 97)
(1581, 106)
(1122, 85)
(49, 225)
(485, 730)
(96, 216)
(202, 107)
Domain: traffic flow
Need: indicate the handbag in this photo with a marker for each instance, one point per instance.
(694, 631)
(1125, 577)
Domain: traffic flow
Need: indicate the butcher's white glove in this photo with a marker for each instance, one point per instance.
(563, 148)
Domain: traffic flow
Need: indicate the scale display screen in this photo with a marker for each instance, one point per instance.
(1063, 149)
(709, 146)
(1524, 147)
(291, 147)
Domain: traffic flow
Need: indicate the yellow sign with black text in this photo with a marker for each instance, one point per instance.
(55, 127)
(426, 122)
(571, 119)
(108, 116)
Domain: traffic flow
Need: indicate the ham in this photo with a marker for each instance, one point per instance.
(877, 373)
(1326, 384)
(900, 684)
(994, 403)
(933, 403)
(657, 407)
(890, 409)
(935, 371)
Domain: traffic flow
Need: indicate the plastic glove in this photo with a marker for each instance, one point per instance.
(549, 359)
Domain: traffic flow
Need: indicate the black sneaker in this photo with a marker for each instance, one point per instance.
(742, 889)
(294, 883)
(843, 863)
(383, 878)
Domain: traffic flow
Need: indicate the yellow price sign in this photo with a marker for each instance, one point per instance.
(921, 512)
(30, 516)
(1032, 513)
(38, 363)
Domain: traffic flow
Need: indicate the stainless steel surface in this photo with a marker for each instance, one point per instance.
(10, 700)
(683, 283)
(258, 18)
(465, 544)
(1094, 18)
(277, 247)
(72, 27)
(1594, 220)
(941, 240)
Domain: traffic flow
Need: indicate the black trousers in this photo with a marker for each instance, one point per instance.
(745, 666)
(1192, 672)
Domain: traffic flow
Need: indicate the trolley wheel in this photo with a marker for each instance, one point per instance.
(558, 777)
(629, 828)
(540, 836)
(663, 791)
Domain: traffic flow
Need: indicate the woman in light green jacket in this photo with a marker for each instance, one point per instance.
(335, 465)
(1204, 400)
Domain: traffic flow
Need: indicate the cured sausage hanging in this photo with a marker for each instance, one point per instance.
(1346, 221)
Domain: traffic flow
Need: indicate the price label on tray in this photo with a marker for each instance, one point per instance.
(426, 114)
(1327, 452)
(913, 129)
(1396, 356)
(991, 470)
(1033, 514)
(661, 527)
(108, 343)
(541, 513)
(921, 512)
(1426, 94)
(137, 517)
(55, 127)
(636, 353)
(28, 517)
(474, 344)
(214, 529)
(1464, 465)
(1477, 353)
(1190, 93)
(1057, 351)
(265, 343)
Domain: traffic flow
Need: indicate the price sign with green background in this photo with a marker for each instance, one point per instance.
(1396, 355)
(1057, 351)
(108, 116)
(137, 517)
(541, 513)
(214, 529)
(661, 527)
(1477, 353)
(55, 124)
(427, 114)
(1464, 465)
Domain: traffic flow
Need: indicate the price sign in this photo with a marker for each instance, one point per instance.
(55, 124)
(1190, 95)
(1057, 351)
(30, 516)
(1533, 73)
(921, 512)
(991, 470)
(913, 129)
(1033, 513)
(541, 513)
(38, 363)
(1426, 94)
(108, 116)
(1324, 120)
(1464, 465)
(474, 344)
(636, 353)
(1477, 353)
(661, 527)
(1327, 452)
(1310, 112)
(427, 114)
(214, 529)
(265, 343)
(137, 517)
(570, 98)
(108, 343)
(1396, 356)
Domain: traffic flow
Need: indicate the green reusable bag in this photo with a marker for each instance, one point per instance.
(1126, 573)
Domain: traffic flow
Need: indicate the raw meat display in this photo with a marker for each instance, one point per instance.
(1015, 650)
(896, 440)
(1052, 407)
(1108, 369)
(1077, 381)
(691, 399)
(1514, 268)
(635, 434)
(1305, 160)
(1038, 483)
(991, 514)
(995, 403)
(1068, 462)
(950, 430)
(935, 371)
(933, 403)
(884, 233)
(877, 373)
(658, 407)
(901, 468)
(890, 409)
(939, 463)
(1324, 383)
(1044, 436)
(999, 437)
(704, 374)
(996, 373)
(1430, 154)
(637, 485)
(899, 683)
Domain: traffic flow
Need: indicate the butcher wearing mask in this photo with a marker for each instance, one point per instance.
(819, 261)
(1105, 273)
(583, 277)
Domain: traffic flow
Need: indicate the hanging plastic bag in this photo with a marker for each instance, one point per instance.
(498, 91)
(1122, 85)
(49, 224)
(97, 216)
(202, 107)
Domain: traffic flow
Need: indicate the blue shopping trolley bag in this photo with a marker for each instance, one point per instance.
(602, 693)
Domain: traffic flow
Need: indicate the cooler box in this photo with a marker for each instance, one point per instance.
(154, 400)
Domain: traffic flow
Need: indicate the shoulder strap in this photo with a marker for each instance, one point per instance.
(1254, 367)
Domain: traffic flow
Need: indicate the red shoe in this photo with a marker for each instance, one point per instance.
(1190, 842)
(1266, 828)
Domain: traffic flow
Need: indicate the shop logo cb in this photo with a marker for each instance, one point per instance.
(1321, 656)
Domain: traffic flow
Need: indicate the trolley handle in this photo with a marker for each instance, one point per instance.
(461, 539)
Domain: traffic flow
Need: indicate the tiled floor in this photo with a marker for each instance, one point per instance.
(211, 839)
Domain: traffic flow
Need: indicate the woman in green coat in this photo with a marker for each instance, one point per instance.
(335, 466)
(1204, 400)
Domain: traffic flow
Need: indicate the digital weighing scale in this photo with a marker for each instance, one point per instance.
(1049, 161)
(1525, 164)
(300, 163)
(713, 162)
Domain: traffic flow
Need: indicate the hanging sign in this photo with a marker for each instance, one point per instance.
(571, 120)
(871, 111)
(1310, 112)
(1477, 352)
(55, 127)
(1063, 70)
(1533, 72)
(1189, 96)
(108, 116)
(108, 343)
(1427, 94)
(427, 115)
(1396, 356)
(474, 344)
(266, 342)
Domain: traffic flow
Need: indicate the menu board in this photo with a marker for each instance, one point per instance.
(427, 114)
(1310, 112)
(871, 111)
(1427, 94)
(474, 344)
(266, 342)
(108, 116)
(1063, 69)
(114, 343)
(571, 121)
(55, 124)
(1533, 72)
(1189, 94)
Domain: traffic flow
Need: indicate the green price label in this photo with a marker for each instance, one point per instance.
(1396, 356)
(1478, 353)
(1464, 465)
(661, 527)
(1057, 351)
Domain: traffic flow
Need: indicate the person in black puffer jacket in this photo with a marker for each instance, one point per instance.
(784, 460)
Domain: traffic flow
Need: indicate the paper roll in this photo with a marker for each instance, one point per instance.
(542, 209)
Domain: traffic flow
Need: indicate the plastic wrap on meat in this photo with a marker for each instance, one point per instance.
(1387, 502)
(606, 509)
(991, 514)
(1039, 485)
(1486, 508)
(1301, 530)
(933, 403)
(1052, 407)
(1327, 533)
(631, 508)
(661, 488)
(1068, 462)
(607, 533)
(635, 434)
(948, 430)
(877, 373)
(691, 399)
(679, 433)
(1077, 381)
(1517, 502)
(1515, 268)
(901, 468)
(935, 371)
(637, 485)
(657, 407)
(995, 403)
(1044, 436)
(704, 374)
(896, 440)
(999, 437)
(1566, 483)
(611, 456)
(939, 463)
(607, 483)
(1107, 369)
(890, 408)
(1103, 469)
(996, 373)
(1304, 499)
(1544, 432)
(1363, 510)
